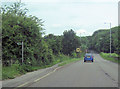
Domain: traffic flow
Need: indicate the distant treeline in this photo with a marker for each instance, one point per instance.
(100, 40)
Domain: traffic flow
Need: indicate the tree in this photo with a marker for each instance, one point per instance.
(54, 43)
(100, 40)
(70, 42)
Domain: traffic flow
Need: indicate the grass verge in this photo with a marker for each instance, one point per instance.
(113, 57)
(69, 61)
(15, 70)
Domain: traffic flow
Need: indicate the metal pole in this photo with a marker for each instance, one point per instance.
(22, 52)
(110, 39)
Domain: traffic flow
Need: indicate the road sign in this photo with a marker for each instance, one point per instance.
(78, 50)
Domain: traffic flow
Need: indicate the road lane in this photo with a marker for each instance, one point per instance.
(100, 73)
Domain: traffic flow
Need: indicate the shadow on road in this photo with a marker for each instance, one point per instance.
(88, 62)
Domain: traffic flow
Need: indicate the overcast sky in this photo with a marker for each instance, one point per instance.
(83, 16)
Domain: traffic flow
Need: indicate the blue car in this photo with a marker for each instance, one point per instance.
(88, 57)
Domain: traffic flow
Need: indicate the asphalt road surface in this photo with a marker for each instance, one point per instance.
(100, 73)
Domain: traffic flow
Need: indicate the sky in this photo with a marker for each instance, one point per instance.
(83, 16)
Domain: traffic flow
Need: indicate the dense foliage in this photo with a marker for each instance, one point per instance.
(17, 27)
(70, 42)
(100, 40)
(54, 43)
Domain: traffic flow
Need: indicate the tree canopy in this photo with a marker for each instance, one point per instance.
(70, 42)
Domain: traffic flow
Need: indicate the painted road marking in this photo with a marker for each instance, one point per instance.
(39, 78)
(23, 84)
(46, 75)
(43, 77)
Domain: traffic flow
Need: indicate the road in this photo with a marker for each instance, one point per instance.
(100, 73)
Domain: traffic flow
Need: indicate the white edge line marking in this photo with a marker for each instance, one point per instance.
(46, 75)
(23, 84)
(39, 78)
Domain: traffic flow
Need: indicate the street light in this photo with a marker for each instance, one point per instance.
(110, 36)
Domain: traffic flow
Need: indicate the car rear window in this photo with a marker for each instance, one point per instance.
(88, 55)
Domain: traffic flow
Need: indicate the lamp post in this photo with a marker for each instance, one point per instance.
(110, 37)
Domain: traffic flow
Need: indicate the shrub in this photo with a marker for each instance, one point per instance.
(74, 54)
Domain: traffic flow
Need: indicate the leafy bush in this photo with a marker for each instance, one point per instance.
(108, 57)
(108, 54)
(10, 72)
(74, 54)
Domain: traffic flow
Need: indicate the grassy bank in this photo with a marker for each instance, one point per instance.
(69, 61)
(113, 57)
(17, 70)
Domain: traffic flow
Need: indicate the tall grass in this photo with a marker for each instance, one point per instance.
(113, 57)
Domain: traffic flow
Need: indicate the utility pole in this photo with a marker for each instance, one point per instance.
(22, 52)
(110, 37)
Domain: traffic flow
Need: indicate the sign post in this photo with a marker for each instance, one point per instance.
(78, 50)
(22, 52)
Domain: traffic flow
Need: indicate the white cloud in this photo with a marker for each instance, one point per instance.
(89, 16)
(99, 0)
(83, 32)
(56, 1)
(56, 25)
(9, 0)
(80, 31)
(40, 1)
(103, 0)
